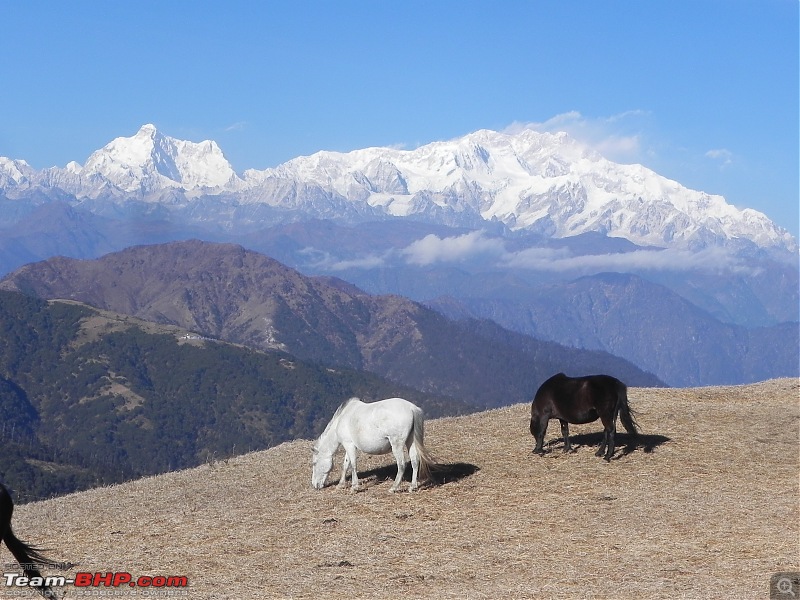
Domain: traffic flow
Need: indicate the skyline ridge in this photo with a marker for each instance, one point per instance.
(528, 180)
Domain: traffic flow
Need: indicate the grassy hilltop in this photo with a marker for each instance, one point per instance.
(705, 505)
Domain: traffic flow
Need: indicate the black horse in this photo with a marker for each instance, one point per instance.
(581, 400)
(28, 557)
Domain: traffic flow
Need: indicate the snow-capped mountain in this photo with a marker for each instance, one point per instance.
(150, 161)
(540, 182)
(142, 165)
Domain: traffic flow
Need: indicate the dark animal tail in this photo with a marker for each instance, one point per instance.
(30, 559)
(626, 413)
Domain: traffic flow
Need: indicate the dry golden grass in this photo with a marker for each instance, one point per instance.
(710, 513)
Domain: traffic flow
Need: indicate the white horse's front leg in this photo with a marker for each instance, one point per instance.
(350, 456)
(345, 466)
(399, 456)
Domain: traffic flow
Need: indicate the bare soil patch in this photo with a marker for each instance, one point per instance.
(705, 505)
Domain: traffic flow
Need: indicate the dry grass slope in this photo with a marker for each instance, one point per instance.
(711, 512)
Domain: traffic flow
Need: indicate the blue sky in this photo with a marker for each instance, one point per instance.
(702, 91)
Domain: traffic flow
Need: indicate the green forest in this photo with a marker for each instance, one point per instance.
(79, 411)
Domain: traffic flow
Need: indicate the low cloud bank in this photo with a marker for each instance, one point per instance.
(476, 248)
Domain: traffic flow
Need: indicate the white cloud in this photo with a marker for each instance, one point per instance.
(433, 249)
(723, 155)
(709, 259)
(491, 252)
(617, 137)
(537, 259)
(238, 126)
(371, 261)
(477, 250)
(325, 261)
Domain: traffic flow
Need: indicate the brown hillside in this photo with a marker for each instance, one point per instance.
(227, 292)
(710, 512)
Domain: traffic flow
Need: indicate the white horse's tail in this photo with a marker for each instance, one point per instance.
(426, 461)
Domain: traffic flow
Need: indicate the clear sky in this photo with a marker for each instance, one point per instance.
(702, 91)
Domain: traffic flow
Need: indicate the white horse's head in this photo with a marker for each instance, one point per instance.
(321, 464)
(324, 449)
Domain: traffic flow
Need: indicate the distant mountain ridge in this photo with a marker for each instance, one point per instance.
(539, 182)
(227, 292)
(646, 324)
(478, 227)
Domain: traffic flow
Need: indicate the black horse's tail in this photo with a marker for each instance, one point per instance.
(30, 559)
(626, 413)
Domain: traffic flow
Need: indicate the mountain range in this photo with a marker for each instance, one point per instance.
(223, 291)
(536, 182)
(525, 229)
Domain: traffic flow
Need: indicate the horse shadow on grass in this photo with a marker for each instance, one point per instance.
(441, 474)
(625, 442)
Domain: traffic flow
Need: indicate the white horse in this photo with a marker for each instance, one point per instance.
(375, 428)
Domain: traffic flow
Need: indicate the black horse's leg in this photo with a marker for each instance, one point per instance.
(609, 429)
(565, 435)
(603, 444)
(538, 429)
(611, 441)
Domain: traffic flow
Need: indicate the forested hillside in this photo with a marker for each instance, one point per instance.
(90, 398)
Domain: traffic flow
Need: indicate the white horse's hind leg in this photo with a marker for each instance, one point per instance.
(414, 456)
(400, 457)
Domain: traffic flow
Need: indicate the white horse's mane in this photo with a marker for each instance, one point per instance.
(344, 404)
(338, 413)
